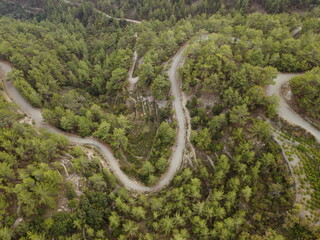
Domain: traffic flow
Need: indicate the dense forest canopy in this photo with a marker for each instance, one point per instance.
(74, 62)
(177, 9)
(306, 89)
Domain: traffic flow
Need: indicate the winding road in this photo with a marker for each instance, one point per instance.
(284, 110)
(181, 114)
(110, 160)
(177, 155)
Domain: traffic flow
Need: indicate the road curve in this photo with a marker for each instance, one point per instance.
(284, 110)
(110, 160)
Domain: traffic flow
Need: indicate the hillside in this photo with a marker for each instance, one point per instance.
(173, 127)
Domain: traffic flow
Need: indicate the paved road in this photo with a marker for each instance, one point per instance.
(284, 110)
(110, 160)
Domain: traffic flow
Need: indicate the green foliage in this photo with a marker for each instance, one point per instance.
(62, 224)
(306, 89)
(203, 139)
(25, 88)
(159, 154)
(75, 64)
(309, 155)
(238, 114)
(40, 185)
(165, 135)
(103, 131)
(7, 113)
(5, 233)
(118, 75)
(160, 87)
(94, 209)
(119, 139)
(27, 178)
(163, 10)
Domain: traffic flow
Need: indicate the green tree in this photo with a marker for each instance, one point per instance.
(116, 82)
(246, 191)
(25, 88)
(146, 169)
(138, 213)
(114, 220)
(119, 138)
(203, 139)
(5, 233)
(167, 224)
(160, 87)
(239, 114)
(84, 126)
(103, 131)
(62, 224)
(130, 228)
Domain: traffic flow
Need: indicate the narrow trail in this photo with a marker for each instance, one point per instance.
(133, 80)
(110, 160)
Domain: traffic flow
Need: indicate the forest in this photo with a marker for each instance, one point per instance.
(306, 89)
(177, 9)
(74, 62)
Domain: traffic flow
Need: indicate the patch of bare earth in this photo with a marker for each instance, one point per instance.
(77, 181)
